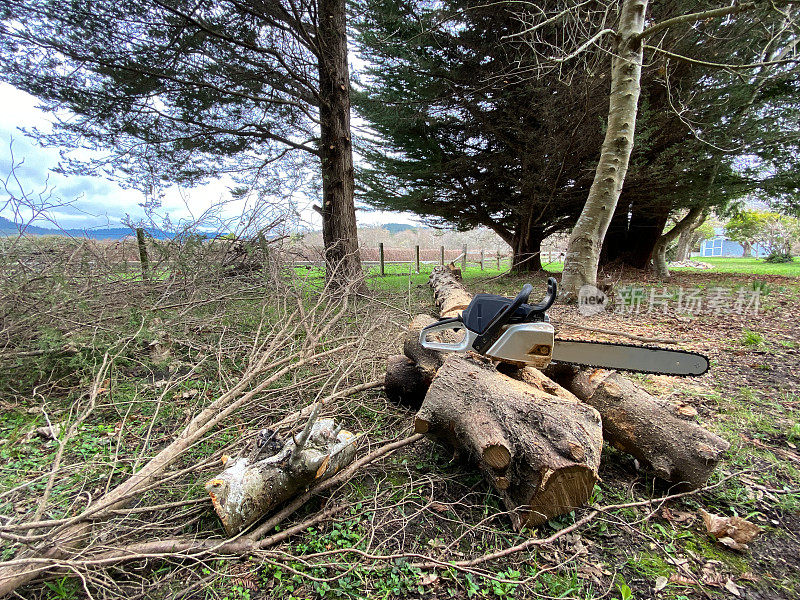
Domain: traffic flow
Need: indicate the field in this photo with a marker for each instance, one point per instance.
(121, 365)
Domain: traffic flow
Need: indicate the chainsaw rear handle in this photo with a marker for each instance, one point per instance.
(550, 297)
(450, 324)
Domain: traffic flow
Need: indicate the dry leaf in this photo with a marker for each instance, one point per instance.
(684, 409)
(661, 583)
(734, 532)
(428, 579)
(682, 579)
(439, 507)
(732, 587)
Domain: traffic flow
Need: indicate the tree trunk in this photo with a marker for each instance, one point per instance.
(249, 488)
(660, 265)
(746, 250)
(647, 226)
(527, 251)
(616, 240)
(688, 239)
(339, 232)
(679, 451)
(541, 451)
(583, 250)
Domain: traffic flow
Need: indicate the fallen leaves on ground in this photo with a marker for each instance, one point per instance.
(733, 532)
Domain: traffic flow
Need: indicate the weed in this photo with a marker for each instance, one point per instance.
(752, 338)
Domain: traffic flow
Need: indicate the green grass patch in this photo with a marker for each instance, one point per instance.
(750, 266)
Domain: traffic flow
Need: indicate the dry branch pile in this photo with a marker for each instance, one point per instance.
(534, 436)
(291, 341)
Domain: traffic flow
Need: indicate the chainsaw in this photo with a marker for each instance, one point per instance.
(513, 331)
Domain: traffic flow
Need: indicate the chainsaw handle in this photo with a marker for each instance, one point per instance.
(450, 324)
(552, 292)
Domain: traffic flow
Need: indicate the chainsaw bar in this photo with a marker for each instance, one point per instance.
(686, 364)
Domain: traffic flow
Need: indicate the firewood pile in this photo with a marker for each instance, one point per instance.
(537, 437)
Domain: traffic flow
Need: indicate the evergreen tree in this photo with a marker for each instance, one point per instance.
(183, 91)
(463, 137)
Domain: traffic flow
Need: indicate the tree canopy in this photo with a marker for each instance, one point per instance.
(471, 129)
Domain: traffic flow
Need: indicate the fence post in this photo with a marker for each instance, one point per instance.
(416, 256)
(441, 255)
(498, 260)
(464, 260)
(144, 260)
(482, 257)
(380, 257)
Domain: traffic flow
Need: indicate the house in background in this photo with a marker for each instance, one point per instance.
(720, 245)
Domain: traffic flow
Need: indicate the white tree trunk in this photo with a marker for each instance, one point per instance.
(583, 250)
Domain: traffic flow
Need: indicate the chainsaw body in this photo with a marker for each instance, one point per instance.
(512, 331)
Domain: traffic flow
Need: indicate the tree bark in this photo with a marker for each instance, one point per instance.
(409, 375)
(635, 422)
(541, 451)
(339, 231)
(688, 239)
(450, 296)
(249, 488)
(660, 266)
(527, 248)
(583, 250)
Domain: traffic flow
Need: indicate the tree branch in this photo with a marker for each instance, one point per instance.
(694, 17)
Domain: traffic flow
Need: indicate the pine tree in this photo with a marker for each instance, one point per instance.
(179, 91)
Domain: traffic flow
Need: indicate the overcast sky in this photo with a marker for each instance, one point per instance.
(96, 202)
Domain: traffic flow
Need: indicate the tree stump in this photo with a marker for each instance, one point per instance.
(541, 451)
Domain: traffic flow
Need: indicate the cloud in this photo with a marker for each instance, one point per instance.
(96, 202)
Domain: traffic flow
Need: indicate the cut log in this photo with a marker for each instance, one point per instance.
(541, 451)
(408, 376)
(635, 422)
(450, 295)
(250, 487)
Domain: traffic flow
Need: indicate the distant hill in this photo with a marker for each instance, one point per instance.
(397, 227)
(8, 227)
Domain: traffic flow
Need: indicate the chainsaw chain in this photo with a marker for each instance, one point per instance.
(634, 346)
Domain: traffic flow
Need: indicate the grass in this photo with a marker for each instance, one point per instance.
(748, 266)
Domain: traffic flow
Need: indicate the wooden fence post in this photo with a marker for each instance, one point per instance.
(416, 256)
(380, 256)
(498, 260)
(482, 257)
(144, 259)
(441, 255)
(464, 260)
